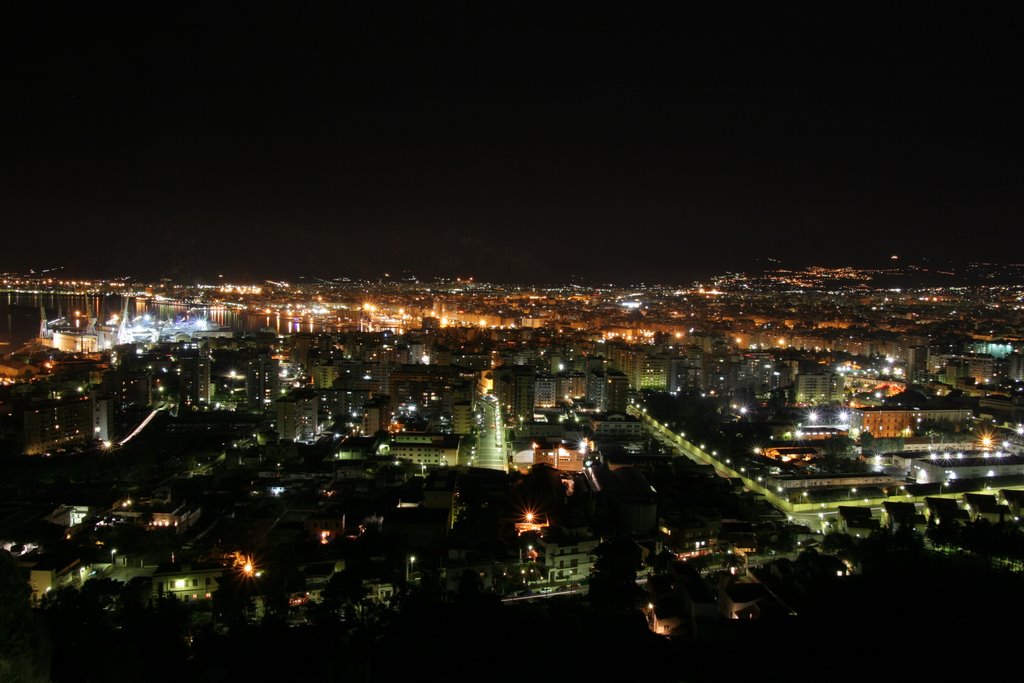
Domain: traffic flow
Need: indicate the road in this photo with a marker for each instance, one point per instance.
(490, 447)
(563, 592)
(142, 425)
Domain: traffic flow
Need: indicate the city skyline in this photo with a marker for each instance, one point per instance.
(611, 149)
(372, 342)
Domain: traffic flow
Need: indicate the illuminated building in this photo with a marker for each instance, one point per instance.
(194, 363)
(756, 374)
(616, 392)
(186, 581)
(889, 423)
(462, 417)
(129, 388)
(103, 417)
(50, 573)
(690, 536)
(16, 369)
(819, 388)
(652, 373)
(619, 426)
(608, 390)
(75, 341)
(297, 416)
(262, 380)
(570, 385)
(176, 517)
(970, 465)
(515, 389)
(325, 526)
(567, 554)
(917, 363)
(1015, 367)
(431, 388)
(324, 376)
(376, 415)
(424, 449)
(545, 392)
(48, 425)
(567, 455)
(686, 372)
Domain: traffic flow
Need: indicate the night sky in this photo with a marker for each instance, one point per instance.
(514, 146)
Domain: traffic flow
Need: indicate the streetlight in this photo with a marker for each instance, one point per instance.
(113, 551)
(408, 567)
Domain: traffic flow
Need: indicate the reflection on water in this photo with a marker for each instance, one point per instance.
(19, 314)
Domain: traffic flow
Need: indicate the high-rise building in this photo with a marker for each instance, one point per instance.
(616, 392)
(462, 417)
(597, 389)
(194, 363)
(570, 385)
(754, 373)
(515, 388)
(686, 372)
(297, 416)
(376, 415)
(1015, 367)
(130, 388)
(545, 392)
(324, 376)
(262, 380)
(47, 425)
(652, 372)
(917, 363)
(103, 410)
(819, 387)
(301, 343)
(956, 370)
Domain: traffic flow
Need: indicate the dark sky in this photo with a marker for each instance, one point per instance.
(516, 145)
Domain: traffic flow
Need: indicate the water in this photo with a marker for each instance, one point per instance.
(19, 314)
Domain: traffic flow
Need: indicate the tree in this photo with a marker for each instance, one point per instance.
(839, 544)
(343, 594)
(939, 534)
(231, 601)
(17, 649)
(471, 587)
(837, 450)
(613, 583)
